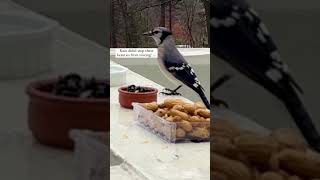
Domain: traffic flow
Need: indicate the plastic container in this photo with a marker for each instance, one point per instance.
(26, 43)
(118, 75)
(172, 132)
(91, 155)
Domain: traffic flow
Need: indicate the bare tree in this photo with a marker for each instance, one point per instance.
(189, 7)
(163, 13)
(170, 15)
(206, 5)
(114, 27)
(132, 17)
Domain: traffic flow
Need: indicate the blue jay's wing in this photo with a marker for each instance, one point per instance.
(181, 69)
(241, 38)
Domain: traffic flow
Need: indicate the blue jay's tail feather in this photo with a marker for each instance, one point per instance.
(203, 97)
(302, 119)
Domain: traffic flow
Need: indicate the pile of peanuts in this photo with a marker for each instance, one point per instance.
(245, 155)
(192, 120)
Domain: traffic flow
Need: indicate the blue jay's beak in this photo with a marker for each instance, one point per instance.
(149, 33)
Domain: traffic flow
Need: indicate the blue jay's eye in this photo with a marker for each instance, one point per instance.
(156, 32)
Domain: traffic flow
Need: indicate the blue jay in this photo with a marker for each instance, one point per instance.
(173, 65)
(239, 37)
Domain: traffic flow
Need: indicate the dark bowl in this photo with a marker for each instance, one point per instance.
(51, 117)
(127, 98)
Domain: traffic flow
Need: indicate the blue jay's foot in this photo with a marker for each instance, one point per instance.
(170, 92)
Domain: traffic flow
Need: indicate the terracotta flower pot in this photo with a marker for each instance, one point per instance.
(51, 117)
(127, 98)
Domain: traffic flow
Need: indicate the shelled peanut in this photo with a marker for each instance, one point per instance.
(281, 155)
(191, 119)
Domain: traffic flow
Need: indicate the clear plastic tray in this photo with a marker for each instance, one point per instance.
(91, 155)
(171, 131)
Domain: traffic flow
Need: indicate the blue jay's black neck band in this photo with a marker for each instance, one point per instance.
(165, 34)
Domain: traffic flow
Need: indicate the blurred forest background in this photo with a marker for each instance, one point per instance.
(187, 19)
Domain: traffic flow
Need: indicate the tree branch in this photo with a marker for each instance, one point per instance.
(155, 5)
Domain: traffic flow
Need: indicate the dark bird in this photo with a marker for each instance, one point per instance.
(239, 37)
